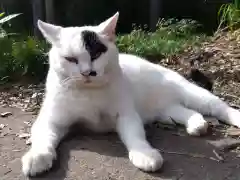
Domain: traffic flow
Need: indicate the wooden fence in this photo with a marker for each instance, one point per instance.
(139, 12)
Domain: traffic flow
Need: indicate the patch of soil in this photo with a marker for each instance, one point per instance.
(216, 62)
(91, 156)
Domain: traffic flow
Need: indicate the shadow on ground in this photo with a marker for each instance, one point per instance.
(92, 156)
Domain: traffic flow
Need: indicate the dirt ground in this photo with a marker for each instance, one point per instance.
(103, 157)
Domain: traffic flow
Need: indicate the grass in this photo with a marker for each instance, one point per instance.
(22, 57)
(26, 56)
(171, 37)
(229, 15)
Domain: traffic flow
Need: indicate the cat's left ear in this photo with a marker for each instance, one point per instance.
(50, 32)
(108, 27)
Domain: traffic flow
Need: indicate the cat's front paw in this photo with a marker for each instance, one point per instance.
(36, 161)
(197, 126)
(147, 160)
(234, 117)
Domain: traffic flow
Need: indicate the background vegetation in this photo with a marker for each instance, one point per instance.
(26, 56)
(229, 15)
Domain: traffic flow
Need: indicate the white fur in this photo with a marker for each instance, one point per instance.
(127, 93)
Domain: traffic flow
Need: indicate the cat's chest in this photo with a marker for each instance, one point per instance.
(90, 104)
(91, 97)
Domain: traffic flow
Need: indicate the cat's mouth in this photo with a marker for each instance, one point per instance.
(87, 82)
(87, 79)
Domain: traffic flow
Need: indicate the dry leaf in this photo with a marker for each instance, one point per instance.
(6, 114)
(220, 158)
(233, 132)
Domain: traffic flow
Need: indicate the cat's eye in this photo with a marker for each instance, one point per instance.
(72, 60)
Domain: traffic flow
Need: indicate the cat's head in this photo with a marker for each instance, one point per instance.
(84, 52)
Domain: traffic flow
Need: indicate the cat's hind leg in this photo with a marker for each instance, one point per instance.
(203, 101)
(193, 121)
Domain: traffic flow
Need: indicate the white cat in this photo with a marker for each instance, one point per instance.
(90, 82)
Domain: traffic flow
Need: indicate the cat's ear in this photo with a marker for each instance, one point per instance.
(50, 32)
(108, 27)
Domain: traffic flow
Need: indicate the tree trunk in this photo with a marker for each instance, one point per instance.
(49, 6)
(155, 12)
(37, 9)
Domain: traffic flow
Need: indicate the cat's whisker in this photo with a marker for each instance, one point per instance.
(66, 80)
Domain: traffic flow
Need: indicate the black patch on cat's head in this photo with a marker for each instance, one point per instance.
(92, 44)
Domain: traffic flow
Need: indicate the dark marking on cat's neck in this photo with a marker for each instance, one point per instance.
(93, 44)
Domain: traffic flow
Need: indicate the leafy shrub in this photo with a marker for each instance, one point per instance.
(5, 57)
(30, 57)
(229, 15)
(26, 56)
(4, 20)
(23, 58)
(171, 37)
(20, 56)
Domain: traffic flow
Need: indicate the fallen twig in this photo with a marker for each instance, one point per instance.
(218, 156)
(231, 95)
(226, 144)
(193, 155)
(8, 171)
(5, 114)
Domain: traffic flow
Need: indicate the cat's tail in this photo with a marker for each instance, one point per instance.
(203, 101)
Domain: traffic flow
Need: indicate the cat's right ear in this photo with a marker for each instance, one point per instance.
(108, 27)
(50, 32)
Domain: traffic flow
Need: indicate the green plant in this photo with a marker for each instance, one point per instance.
(229, 15)
(26, 56)
(23, 58)
(172, 36)
(29, 57)
(4, 20)
(5, 57)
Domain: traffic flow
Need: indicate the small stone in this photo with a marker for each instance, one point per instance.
(6, 114)
(34, 95)
(28, 141)
(3, 134)
(25, 106)
(27, 100)
(24, 135)
(2, 126)
(27, 122)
